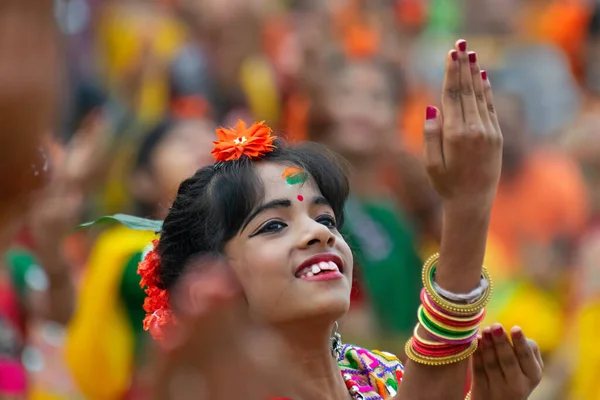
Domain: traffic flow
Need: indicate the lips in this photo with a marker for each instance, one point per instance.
(320, 264)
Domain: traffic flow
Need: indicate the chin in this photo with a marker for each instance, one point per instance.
(334, 304)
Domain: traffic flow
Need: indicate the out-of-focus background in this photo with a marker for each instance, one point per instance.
(147, 81)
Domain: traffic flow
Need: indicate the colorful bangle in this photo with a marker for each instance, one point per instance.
(448, 339)
(443, 330)
(460, 309)
(447, 326)
(441, 314)
(437, 361)
(430, 343)
(468, 396)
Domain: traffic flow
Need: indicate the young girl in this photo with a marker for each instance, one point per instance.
(273, 213)
(105, 336)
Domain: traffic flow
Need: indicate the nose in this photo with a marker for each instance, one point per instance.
(315, 234)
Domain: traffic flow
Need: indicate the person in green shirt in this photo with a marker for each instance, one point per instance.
(355, 113)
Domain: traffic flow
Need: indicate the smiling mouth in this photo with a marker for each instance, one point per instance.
(320, 268)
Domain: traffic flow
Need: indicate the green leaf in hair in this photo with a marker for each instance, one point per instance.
(130, 221)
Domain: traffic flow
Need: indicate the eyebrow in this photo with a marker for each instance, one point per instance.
(320, 201)
(280, 203)
(277, 203)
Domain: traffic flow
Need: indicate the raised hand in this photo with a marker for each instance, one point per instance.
(463, 144)
(29, 74)
(505, 371)
(214, 351)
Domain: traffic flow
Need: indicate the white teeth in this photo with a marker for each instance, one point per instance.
(316, 269)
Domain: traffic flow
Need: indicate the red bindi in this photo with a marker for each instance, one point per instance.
(300, 197)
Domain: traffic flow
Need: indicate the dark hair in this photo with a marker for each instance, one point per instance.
(151, 141)
(212, 205)
(143, 162)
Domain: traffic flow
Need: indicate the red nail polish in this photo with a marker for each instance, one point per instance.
(484, 75)
(497, 331)
(454, 55)
(462, 45)
(431, 113)
(472, 57)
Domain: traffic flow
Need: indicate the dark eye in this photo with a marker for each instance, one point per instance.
(327, 220)
(271, 227)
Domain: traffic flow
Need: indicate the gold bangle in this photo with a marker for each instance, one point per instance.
(425, 341)
(468, 396)
(427, 302)
(438, 361)
(457, 308)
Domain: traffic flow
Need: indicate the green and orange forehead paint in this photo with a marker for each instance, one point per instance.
(295, 176)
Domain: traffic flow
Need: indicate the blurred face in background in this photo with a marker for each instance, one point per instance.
(183, 150)
(362, 111)
(492, 16)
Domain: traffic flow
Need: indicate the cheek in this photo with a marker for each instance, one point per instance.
(346, 252)
(264, 274)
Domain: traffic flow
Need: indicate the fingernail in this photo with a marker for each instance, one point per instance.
(472, 57)
(431, 113)
(484, 75)
(454, 55)
(517, 333)
(486, 339)
(462, 45)
(497, 331)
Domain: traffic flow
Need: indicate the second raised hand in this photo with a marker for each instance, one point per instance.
(463, 144)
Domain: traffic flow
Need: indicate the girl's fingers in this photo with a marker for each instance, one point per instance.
(490, 359)
(526, 355)
(489, 101)
(506, 356)
(451, 103)
(432, 143)
(536, 352)
(478, 87)
(467, 90)
(479, 375)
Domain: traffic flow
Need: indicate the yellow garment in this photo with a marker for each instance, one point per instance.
(518, 302)
(100, 342)
(515, 302)
(538, 313)
(258, 83)
(142, 43)
(587, 353)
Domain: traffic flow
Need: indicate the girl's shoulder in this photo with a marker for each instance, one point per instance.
(376, 373)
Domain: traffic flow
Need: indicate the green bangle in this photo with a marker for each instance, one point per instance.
(441, 332)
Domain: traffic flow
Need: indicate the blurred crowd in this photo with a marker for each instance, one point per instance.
(146, 83)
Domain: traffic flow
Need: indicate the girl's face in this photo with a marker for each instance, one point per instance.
(362, 109)
(183, 151)
(290, 258)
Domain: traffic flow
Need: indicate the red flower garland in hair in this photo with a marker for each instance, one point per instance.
(254, 141)
(156, 304)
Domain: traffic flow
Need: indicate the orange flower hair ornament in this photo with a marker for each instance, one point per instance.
(254, 142)
(156, 303)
